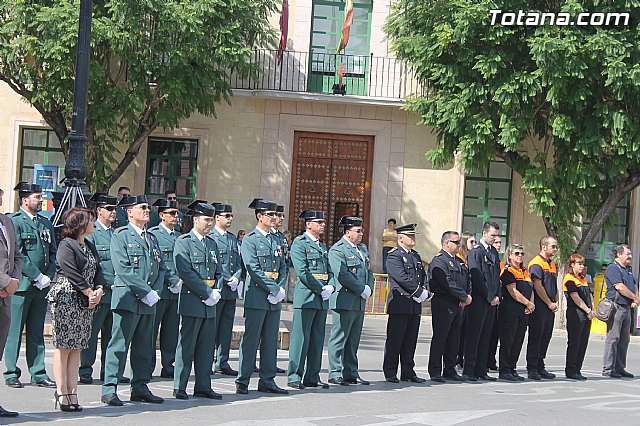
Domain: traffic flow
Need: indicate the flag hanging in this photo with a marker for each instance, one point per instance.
(346, 27)
(284, 29)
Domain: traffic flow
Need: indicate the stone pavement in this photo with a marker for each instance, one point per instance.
(596, 401)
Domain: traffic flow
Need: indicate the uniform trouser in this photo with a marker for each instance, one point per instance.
(493, 342)
(167, 324)
(385, 253)
(481, 316)
(578, 330)
(260, 329)
(512, 326)
(28, 310)
(129, 327)
(102, 324)
(402, 338)
(446, 318)
(195, 345)
(617, 341)
(307, 341)
(540, 332)
(225, 315)
(343, 343)
(463, 329)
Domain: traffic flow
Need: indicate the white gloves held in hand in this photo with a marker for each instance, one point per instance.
(274, 300)
(176, 288)
(151, 298)
(213, 298)
(327, 291)
(233, 283)
(366, 293)
(423, 296)
(43, 281)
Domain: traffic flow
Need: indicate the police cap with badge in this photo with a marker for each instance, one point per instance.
(348, 222)
(25, 189)
(409, 229)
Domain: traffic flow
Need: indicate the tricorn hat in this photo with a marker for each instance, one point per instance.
(350, 221)
(133, 200)
(162, 204)
(223, 208)
(28, 188)
(101, 199)
(260, 204)
(201, 209)
(311, 215)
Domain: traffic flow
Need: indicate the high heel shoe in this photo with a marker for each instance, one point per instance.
(63, 407)
(76, 406)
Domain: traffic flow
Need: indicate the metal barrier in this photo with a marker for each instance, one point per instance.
(599, 293)
(377, 303)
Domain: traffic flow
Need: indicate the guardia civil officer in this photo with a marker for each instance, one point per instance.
(544, 274)
(484, 265)
(37, 244)
(231, 263)
(167, 320)
(137, 262)
(197, 264)
(264, 290)
(310, 302)
(407, 285)
(121, 213)
(102, 317)
(353, 281)
(154, 216)
(283, 244)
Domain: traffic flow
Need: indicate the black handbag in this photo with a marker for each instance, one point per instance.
(604, 310)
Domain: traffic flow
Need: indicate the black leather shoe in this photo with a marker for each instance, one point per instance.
(612, 375)
(146, 397)
(227, 372)
(508, 377)
(295, 385)
(112, 399)
(415, 379)
(166, 374)
(125, 380)
(515, 374)
(454, 377)
(357, 381)
(487, 378)
(546, 375)
(86, 380)
(534, 375)
(468, 378)
(13, 382)
(280, 370)
(581, 376)
(242, 389)
(573, 376)
(626, 374)
(45, 383)
(322, 385)
(339, 381)
(180, 394)
(209, 394)
(273, 389)
(393, 379)
(438, 379)
(5, 413)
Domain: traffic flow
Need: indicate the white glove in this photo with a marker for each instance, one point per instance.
(43, 281)
(366, 293)
(281, 295)
(327, 290)
(176, 288)
(272, 299)
(213, 298)
(423, 296)
(233, 283)
(151, 298)
(240, 288)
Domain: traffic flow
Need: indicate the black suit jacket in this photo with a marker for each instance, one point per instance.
(485, 272)
(407, 279)
(72, 261)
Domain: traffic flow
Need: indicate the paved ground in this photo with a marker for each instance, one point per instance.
(597, 401)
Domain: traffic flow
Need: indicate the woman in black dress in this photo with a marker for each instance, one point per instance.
(75, 293)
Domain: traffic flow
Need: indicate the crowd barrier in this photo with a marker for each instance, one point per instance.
(377, 303)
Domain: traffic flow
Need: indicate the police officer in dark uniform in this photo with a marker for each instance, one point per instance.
(407, 284)
(450, 284)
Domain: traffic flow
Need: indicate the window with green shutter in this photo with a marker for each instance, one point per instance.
(616, 232)
(171, 165)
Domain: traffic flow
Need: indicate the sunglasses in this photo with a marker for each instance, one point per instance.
(108, 208)
(270, 214)
(280, 214)
(143, 207)
(518, 253)
(227, 215)
(172, 213)
(172, 198)
(359, 231)
(456, 242)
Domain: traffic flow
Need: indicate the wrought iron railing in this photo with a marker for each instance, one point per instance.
(315, 72)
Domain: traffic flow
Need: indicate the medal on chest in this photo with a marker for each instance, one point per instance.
(46, 235)
(214, 258)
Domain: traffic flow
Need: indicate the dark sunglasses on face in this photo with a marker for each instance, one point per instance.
(172, 198)
(108, 208)
(359, 231)
(227, 215)
(172, 213)
(270, 214)
(143, 207)
(518, 253)
(280, 214)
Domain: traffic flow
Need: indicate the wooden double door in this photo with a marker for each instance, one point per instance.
(331, 172)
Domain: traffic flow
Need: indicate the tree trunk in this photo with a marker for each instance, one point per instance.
(131, 153)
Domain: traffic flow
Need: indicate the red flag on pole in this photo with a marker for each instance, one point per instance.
(284, 29)
(346, 27)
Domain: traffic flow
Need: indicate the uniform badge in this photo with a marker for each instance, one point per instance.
(213, 256)
(354, 270)
(314, 262)
(404, 259)
(451, 263)
(46, 236)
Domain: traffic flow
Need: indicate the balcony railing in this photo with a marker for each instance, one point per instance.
(313, 72)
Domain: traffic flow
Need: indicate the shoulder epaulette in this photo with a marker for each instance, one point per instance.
(393, 249)
(154, 228)
(299, 237)
(439, 254)
(183, 236)
(122, 228)
(251, 233)
(15, 214)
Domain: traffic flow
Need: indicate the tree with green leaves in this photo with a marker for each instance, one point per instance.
(560, 104)
(153, 64)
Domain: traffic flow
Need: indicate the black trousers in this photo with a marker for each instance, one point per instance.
(578, 330)
(446, 319)
(493, 343)
(402, 338)
(512, 325)
(463, 330)
(540, 332)
(480, 318)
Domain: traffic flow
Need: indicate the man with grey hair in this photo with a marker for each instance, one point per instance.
(622, 290)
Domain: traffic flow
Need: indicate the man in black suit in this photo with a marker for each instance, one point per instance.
(407, 284)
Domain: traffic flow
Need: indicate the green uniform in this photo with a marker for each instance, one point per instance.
(121, 218)
(102, 317)
(311, 263)
(261, 255)
(28, 305)
(351, 273)
(139, 269)
(167, 320)
(195, 262)
(154, 220)
(231, 262)
(283, 247)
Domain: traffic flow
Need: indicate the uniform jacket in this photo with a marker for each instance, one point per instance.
(121, 218)
(350, 274)
(101, 239)
(38, 246)
(407, 279)
(154, 219)
(230, 259)
(484, 266)
(166, 243)
(449, 277)
(308, 259)
(195, 262)
(10, 258)
(139, 269)
(260, 254)
(283, 245)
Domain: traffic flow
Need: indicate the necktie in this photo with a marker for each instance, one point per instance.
(110, 231)
(318, 243)
(144, 238)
